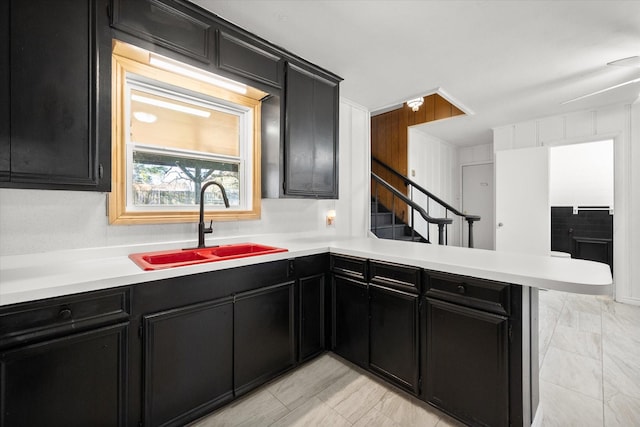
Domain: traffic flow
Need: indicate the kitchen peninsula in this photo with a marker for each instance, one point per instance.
(343, 295)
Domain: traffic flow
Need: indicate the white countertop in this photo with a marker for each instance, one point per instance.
(45, 275)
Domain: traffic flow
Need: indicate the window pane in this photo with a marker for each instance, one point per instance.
(173, 180)
(162, 121)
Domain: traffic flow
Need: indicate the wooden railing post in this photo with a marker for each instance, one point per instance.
(470, 233)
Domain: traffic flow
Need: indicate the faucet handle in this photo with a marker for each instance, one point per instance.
(209, 229)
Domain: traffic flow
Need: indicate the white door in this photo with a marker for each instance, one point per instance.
(477, 199)
(523, 221)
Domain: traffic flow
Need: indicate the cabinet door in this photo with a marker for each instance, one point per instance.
(188, 362)
(467, 363)
(248, 59)
(77, 380)
(167, 23)
(394, 335)
(310, 149)
(351, 320)
(312, 308)
(5, 89)
(263, 335)
(55, 82)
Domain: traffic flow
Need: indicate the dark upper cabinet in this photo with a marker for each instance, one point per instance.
(467, 363)
(394, 337)
(188, 362)
(249, 60)
(350, 327)
(5, 90)
(60, 126)
(173, 25)
(263, 335)
(311, 135)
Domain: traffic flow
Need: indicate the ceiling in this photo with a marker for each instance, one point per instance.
(506, 61)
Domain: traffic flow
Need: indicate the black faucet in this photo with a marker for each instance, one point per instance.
(201, 228)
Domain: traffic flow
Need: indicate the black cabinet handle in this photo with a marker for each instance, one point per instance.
(65, 314)
(462, 289)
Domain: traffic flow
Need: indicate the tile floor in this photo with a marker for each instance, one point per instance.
(589, 376)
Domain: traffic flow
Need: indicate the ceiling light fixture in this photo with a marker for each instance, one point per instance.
(171, 106)
(197, 74)
(144, 117)
(598, 92)
(415, 104)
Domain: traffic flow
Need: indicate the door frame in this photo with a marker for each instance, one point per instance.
(621, 203)
(463, 223)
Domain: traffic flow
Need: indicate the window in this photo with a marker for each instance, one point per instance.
(175, 128)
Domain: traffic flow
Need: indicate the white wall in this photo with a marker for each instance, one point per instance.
(435, 163)
(581, 174)
(622, 124)
(44, 220)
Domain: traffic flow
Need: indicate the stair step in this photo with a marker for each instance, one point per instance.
(381, 218)
(387, 231)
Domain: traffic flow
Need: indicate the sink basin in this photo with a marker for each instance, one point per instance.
(181, 257)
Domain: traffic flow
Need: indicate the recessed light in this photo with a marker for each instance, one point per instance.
(144, 117)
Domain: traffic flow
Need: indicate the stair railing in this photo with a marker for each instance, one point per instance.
(430, 196)
(395, 193)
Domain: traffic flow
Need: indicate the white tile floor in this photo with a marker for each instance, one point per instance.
(589, 376)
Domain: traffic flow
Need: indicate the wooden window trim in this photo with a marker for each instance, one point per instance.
(117, 208)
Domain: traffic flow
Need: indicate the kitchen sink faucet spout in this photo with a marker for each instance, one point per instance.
(202, 230)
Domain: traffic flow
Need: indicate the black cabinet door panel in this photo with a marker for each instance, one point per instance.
(351, 320)
(54, 48)
(78, 380)
(394, 335)
(167, 23)
(263, 335)
(187, 362)
(311, 316)
(310, 149)
(240, 57)
(467, 365)
(5, 89)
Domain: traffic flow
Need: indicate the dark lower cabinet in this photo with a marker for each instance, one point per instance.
(188, 362)
(264, 335)
(394, 337)
(350, 328)
(312, 319)
(467, 363)
(77, 380)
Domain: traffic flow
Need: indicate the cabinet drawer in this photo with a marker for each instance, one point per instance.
(32, 321)
(478, 293)
(349, 266)
(248, 60)
(395, 276)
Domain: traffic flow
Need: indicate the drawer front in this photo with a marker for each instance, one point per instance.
(471, 292)
(349, 266)
(395, 276)
(242, 58)
(32, 321)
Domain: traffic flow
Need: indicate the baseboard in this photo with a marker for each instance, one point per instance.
(629, 300)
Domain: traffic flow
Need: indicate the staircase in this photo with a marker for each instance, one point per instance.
(385, 226)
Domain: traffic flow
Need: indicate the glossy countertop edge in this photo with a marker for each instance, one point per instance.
(45, 275)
